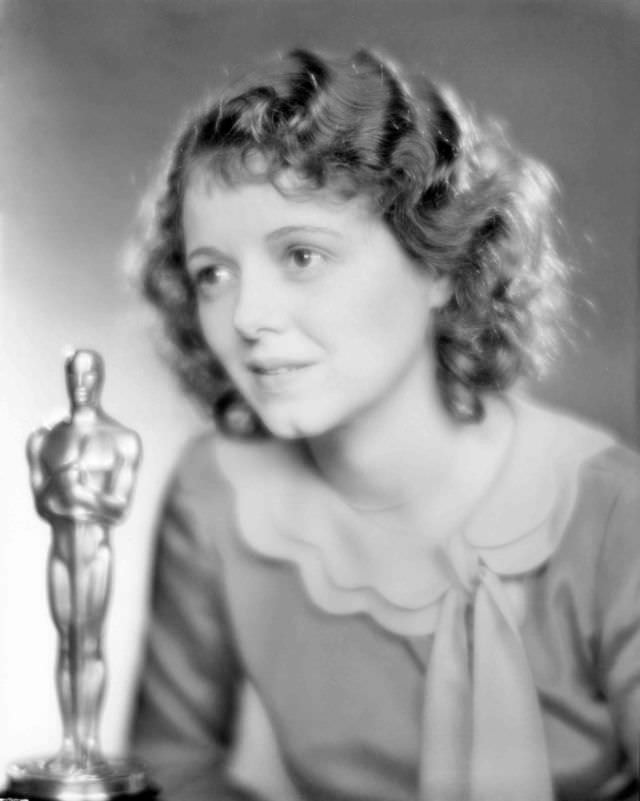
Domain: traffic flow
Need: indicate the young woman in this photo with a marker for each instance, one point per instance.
(430, 584)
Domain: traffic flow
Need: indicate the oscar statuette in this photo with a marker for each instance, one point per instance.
(82, 472)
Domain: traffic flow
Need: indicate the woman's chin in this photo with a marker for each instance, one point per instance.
(288, 429)
(294, 426)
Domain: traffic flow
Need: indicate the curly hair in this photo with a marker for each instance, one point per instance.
(459, 198)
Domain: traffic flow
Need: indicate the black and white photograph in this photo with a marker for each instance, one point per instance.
(320, 400)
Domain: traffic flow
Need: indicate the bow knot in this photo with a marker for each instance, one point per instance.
(466, 564)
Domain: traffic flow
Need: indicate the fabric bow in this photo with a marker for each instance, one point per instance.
(483, 738)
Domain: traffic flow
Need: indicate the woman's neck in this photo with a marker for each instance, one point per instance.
(375, 458)
(412, 457)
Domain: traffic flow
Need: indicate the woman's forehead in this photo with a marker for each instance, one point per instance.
(285, 194)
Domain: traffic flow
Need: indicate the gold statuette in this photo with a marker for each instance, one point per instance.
(83, 472)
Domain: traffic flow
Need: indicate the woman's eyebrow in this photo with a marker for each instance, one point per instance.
(288, 230)
(203, 250)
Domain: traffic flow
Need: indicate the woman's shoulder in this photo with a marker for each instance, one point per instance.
(211, 463)
(611, 486)
(550, 477)
(582, 446)
(565, 442)
(203, 493)
(593, 479)
(618, 466)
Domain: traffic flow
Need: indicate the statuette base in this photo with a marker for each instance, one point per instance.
(107, 780)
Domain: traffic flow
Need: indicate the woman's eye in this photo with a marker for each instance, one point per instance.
(302, 258)
(210, 279)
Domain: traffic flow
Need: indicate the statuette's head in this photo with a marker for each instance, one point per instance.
(84, 370)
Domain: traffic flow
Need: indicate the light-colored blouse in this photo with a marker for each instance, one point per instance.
(503, 663)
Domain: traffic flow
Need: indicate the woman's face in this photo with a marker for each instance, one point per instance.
(309, 302)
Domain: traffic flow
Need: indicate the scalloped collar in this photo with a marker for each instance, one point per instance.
(286, 511)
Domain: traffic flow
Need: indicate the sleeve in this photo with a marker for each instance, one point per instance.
(183, 719)
(618, 606)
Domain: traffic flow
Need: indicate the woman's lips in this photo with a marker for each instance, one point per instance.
(277, 376)
(286, 368)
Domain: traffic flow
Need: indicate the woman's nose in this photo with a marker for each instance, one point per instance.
(261, 305)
